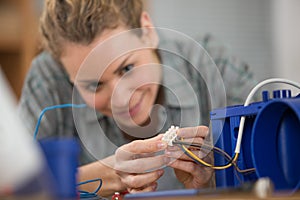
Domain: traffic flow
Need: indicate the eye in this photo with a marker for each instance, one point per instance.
(127, 68)
(93, 86)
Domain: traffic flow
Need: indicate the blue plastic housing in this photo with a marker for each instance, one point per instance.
(270, 143)
(62, 159)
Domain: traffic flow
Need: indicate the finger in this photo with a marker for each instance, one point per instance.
(199, 150)
(144, 155)
(182, 156)
(191, 146)
(195, 140)
(150, 188)
(128, 151)
(192, 132)
(186, 166)
(142, 165)
(177, 155)
(141, 180)
(173, 148)
(201, 175)
(190, 167)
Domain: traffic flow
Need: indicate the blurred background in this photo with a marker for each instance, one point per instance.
(18, 38)
(263, 33)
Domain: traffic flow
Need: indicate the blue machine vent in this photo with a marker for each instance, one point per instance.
(270, 143)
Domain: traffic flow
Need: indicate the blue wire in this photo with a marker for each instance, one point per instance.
(52, 108)
(85, 194)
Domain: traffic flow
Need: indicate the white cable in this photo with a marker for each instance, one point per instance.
(249, 98)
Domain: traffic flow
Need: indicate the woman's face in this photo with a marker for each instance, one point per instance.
(120, 79)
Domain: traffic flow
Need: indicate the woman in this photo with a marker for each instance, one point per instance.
(106, 54)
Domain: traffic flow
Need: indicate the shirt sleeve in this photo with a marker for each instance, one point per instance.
(45, 85)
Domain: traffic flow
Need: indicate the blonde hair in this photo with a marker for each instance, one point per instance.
(80, 21)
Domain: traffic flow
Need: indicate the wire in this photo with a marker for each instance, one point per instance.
(83, 194)
(233, 159)
(182, 144)
(86, 194)
(249, 98)
(52, 108)
(198, 160)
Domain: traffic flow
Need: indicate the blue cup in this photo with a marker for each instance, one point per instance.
(62, 158)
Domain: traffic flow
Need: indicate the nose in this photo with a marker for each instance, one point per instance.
(121, 94)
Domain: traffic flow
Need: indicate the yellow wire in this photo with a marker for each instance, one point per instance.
(190, 153)
(225, 154)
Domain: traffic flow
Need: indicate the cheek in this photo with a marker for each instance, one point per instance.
(148, 87)
(101, 103)
(88, 98)
(148, 91)
(97, 101)
(145, 80)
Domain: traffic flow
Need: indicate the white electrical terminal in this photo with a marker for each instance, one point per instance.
(170, 135)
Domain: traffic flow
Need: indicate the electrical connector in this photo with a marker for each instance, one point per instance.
(170, 135)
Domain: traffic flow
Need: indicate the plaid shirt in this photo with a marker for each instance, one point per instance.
(193, 85)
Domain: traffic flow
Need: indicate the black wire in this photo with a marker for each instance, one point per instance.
(217, 150)
(214, 149)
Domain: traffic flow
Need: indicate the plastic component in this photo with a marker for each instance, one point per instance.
(270, 144)
(170, 135)
(62, 158)
(276, 141)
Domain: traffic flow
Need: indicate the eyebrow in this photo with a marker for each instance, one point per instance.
(116, 71)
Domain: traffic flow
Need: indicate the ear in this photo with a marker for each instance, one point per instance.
(149, 34)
